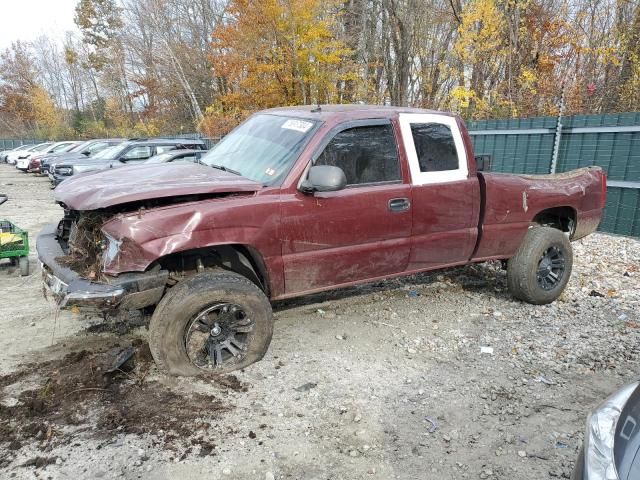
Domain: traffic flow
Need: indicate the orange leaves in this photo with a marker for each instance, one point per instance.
(274, 52)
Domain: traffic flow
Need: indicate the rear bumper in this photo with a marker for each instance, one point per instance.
(127, 291)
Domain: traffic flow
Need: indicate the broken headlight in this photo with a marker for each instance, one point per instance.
(601, 428)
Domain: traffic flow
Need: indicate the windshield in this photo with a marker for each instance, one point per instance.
(81, 146)
(39, 148)
(263, 148)
(110, 153)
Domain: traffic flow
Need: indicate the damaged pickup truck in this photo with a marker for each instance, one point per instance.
(300, 200)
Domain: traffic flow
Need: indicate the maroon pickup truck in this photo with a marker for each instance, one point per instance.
(300, 200)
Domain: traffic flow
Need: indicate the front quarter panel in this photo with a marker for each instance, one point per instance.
(138, 239)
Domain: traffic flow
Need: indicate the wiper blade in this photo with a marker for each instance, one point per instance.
(226, 169)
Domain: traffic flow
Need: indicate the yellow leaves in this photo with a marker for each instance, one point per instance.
(528, 80)
(480, 30)
(46, 115)
(461, 97)
(276, 52)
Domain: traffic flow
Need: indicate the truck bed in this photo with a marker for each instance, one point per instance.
(512, 202)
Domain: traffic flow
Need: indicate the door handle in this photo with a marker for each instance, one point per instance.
(399, 204)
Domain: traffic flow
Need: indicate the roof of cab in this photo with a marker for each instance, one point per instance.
(342, 112)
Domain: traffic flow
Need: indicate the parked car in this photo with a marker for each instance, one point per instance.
(5, 153)
(182, 155)
(125, 154)
(300, 200)
(35, 161)
(22, 163)
(87, 149)
(611, 447)
(13, 157)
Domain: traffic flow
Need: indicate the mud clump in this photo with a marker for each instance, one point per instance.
(103, 392)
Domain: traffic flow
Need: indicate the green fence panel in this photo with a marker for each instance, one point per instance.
(618, 153)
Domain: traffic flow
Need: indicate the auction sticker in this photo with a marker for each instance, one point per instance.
(298, 125)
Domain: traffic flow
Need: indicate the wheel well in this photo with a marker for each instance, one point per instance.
(236, 258)
(562, 218)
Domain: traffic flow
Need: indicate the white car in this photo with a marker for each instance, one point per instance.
(4, 153)
(13, 157)
(23, 162)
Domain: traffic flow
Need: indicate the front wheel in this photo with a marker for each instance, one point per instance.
(541, 267)
(211, 323)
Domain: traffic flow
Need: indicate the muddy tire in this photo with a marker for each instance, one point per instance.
(211, 323)
(24, 266)
(540, 269)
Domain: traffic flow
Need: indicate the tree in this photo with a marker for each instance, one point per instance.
(273, 52)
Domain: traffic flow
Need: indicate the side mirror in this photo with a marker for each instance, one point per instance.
(483, 163)
(86, 152)
(324, 178)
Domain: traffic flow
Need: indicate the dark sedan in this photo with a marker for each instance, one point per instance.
(611, 449)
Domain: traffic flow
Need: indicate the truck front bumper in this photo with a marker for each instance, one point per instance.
(126, 291)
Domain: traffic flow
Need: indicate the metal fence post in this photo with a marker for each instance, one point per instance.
(556, 141)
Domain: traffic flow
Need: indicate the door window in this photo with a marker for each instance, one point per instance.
(164, 148)
(137, 153)
(366, 154)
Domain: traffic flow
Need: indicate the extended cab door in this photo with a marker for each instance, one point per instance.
(445, 196)
(360, 232)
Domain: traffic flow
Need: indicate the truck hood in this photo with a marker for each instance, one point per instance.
(95, 190)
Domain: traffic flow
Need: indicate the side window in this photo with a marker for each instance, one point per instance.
(435, 147)
(137, 153)
(366, 154)
(164, 148)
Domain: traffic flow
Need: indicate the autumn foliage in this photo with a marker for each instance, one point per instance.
(146, 67)
(271, 53)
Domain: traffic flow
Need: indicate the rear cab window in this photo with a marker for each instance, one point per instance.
(435, 148)
(367, 154)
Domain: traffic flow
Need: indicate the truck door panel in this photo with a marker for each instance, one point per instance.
(360, 232)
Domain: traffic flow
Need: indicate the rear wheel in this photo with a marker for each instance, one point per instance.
(24, 266)
(211, 323)
(540, 269)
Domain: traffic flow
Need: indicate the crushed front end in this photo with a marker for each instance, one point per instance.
(72, 256)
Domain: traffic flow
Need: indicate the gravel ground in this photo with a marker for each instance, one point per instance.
(380, 381)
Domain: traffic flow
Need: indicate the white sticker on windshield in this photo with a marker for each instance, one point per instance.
(298, 125)
(270, 171)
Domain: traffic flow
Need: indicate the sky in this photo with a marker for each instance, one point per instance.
(28, 19)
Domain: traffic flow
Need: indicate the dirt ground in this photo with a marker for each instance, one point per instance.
(381, 381)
